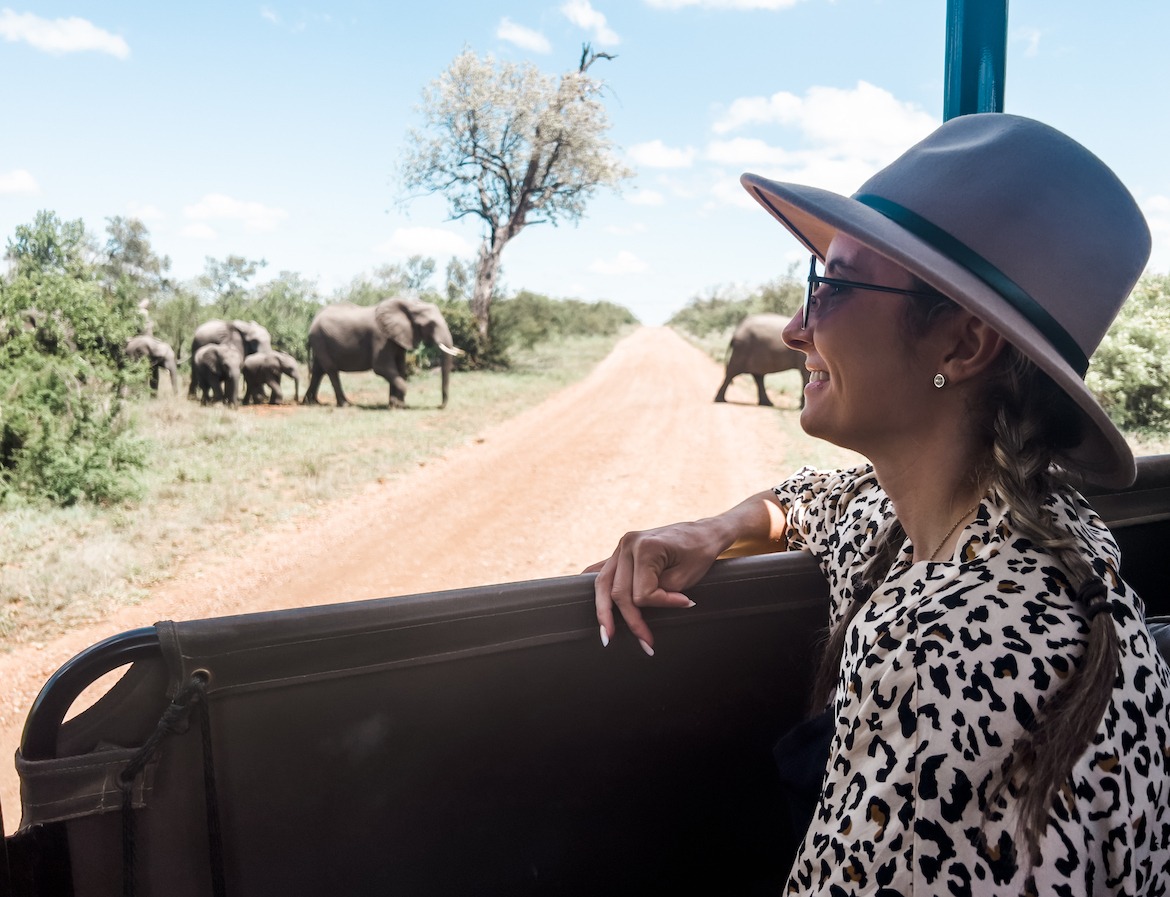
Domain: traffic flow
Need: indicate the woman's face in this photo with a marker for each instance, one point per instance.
(868, 385)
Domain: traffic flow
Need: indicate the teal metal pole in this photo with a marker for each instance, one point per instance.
(976, 56)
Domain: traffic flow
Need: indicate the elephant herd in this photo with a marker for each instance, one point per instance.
(352, 338)
(341, 338)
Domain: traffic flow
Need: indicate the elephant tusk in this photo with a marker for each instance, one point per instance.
(451, 350)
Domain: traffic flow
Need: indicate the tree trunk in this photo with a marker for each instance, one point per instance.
(487, 269)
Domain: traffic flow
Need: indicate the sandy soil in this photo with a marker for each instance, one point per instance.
(638, 443)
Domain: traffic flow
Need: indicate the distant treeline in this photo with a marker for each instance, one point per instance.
(69, 302)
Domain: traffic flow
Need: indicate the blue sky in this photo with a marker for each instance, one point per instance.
(272, 130)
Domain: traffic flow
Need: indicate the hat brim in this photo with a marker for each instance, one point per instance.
(814, 216)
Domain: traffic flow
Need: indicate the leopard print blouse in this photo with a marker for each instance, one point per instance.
(941, 666)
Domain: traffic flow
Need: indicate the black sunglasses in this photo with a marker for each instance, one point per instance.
(814, 281)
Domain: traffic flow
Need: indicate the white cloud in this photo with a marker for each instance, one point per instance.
(647, 198)
(863, 120)
(782, 108)
(723, 4)
(59, 36)
(625, 262)
(18, 180)
(199, 232)
(217, 207)
(522, 37)
(840, 137)
(656, 154)
(269, 14)
(582, 14)
(427, 241)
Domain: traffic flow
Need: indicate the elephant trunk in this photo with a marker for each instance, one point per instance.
(449, 352)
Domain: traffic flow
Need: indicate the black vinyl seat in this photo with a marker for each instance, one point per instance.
(1160, 630)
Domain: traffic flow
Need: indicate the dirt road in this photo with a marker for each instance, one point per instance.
(637, 443)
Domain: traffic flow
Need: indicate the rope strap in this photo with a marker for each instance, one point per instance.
(193, 696)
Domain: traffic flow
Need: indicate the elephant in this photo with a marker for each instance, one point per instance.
(265, 369)
(160, 355)
(757, 348)
(247, 337)
(216, 370)
(361, 338)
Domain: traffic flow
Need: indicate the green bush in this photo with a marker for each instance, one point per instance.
(64, 434)
(530, 318)
(1130, 371)
(724, 308)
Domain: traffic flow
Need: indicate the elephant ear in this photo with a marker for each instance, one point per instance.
(393, 319)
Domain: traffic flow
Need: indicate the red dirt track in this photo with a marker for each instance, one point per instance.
(638, 443)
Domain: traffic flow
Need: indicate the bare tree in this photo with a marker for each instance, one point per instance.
(513, 147)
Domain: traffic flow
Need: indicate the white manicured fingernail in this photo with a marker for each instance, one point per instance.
(604, 638)
(690, 603)
(645, 647)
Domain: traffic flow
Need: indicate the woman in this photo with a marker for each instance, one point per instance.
(1000, 711)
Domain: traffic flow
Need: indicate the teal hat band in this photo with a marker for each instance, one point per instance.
(961, 254)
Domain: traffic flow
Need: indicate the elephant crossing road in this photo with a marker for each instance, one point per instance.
(361, 338)
(758, 348)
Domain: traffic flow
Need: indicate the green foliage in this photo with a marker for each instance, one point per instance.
(63, 435)
(176, 314)
(724, 308)
(531, 318)
(1130, 371)
(464, 331)
(370, 289)
(50, 246)
(286, 306)
(224, 285)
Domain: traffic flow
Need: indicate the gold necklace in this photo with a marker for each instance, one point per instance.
(971, 510)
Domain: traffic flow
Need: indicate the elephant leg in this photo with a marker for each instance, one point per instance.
(315, 376)
(721, 396)
(276, 397)
(397, 387)
(231, 392)
(764, 400)
(154, 379)
(336, 381)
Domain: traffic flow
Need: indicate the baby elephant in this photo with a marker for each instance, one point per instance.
(216, 371)
(265, 369)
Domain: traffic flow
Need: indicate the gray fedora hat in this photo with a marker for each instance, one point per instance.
(1016, 222)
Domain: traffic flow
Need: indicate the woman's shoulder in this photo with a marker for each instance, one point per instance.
(812, 484)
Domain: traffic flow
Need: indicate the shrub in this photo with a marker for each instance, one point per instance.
(530, 318)
(1130, 371)
(64, 436)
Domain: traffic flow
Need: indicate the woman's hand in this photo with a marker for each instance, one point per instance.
(652, 568)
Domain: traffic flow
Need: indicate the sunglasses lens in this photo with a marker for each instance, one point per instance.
(812, 285)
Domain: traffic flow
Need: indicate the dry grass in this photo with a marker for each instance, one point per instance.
(217, 474)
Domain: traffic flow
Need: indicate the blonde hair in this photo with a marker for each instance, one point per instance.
(1026, 420)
